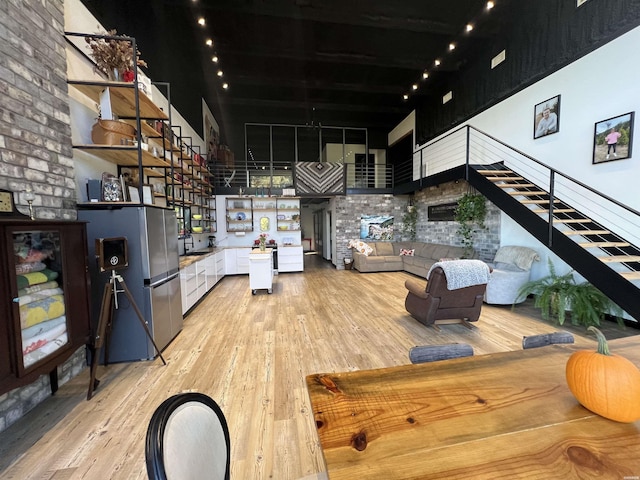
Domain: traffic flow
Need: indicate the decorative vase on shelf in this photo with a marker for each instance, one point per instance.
(114, 75)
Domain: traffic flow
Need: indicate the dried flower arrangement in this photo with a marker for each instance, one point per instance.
(114, 55)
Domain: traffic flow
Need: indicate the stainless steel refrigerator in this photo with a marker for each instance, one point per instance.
(152, 276)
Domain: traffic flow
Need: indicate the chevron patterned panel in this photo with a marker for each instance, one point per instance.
(320, 177)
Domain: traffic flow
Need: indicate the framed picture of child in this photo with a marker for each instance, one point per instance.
(612, 138)
(546, 117)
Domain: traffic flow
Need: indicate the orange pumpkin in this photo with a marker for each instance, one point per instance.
(605, 383)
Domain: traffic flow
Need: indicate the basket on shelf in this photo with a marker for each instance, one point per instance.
(112, 132)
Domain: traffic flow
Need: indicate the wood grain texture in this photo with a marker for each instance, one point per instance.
(252, 354)
(502, 415)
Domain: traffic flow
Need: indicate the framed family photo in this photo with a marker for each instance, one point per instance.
(613, 138)
(546, 117)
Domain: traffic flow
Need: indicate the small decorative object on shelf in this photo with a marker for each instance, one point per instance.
(114, 57)
(29, 197)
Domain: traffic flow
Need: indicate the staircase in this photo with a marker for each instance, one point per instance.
(603, 257)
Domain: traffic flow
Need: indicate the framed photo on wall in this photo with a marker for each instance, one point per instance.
(546, 117)
(613, 138)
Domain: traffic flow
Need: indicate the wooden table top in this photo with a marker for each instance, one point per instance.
(498, 416)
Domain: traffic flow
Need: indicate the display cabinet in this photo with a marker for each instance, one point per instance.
(45, 310)
(239, 214)
(288, 214)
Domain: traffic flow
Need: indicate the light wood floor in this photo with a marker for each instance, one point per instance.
(251, 354)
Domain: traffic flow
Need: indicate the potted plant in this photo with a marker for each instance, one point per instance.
(555, 295)
(114, 57)
(470, 214)
(410, 221)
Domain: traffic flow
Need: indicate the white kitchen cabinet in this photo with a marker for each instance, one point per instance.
(237, 260)
(261, 270)
(220, 259)
(290, 258)
(188, 287)
(201, 276)
(210, 270)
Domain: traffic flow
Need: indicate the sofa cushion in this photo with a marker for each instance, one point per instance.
(440, 251)
(384, 248)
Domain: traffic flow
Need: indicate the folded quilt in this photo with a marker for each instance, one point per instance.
(463, 273)
(39, 328)
(47, 349)
(22, 268)
(38, 288)
(41, 340)
(26, 299)
(35, 278)
(41, 311)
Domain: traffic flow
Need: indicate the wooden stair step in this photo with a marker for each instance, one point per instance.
(526, 194)
(603, 244)
(494, 172)
(541, 202)
(587, 232)
(620, 258)
(495, 179)
(572, 220)
(631, 275)
(555, 210)
(515, 185)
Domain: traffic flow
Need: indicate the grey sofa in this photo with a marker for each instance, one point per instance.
(385, 257)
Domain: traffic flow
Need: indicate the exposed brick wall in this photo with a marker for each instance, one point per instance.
(35, 141)
(348, 210)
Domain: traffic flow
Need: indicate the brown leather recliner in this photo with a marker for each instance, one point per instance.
(435, 304)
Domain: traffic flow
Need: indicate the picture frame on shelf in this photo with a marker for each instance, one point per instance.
(613, 138)
(134, 195)
(546, 117)
(147, 195)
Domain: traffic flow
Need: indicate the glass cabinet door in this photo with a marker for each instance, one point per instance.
(38, 269)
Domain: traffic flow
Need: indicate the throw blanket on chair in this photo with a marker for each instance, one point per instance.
(463, 273)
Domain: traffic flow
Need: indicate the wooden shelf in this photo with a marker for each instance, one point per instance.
(123, 155)
(122, 98)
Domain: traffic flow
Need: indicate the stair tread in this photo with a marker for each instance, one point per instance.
(587, 232)
(500, 172)
(528, 193)
(515, 185)
(572, 220)
(631, 275)
(555, 210)
(620, 258)
(603, 244)
(538, 201)
(494, 179)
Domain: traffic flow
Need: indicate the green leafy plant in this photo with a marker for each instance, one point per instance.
(470, 214)
(559, 295)
(410, 222)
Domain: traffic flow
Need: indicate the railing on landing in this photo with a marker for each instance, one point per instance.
(468, 146)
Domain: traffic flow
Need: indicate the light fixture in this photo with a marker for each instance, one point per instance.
(214, 59)
(405, 97)
(469, 27)
(490, 5)
(414, 86)
(425, 75)
(452, 46)
(220, 73)
(201, 21)
(209, 42)
(29, 197)
(437, 63)
(225, 85)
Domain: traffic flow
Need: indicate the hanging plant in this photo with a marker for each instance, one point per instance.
(470, 214)
(410, 222)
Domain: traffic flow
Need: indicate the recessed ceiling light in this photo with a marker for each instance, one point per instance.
(214, 59)
(452, 46)
(425, 75)
(405, 97)
(469, 27)
(437, 62)
(209, 42)
(201, 21)
(490, 5)
(414, 86)
(220, 73)
(225, 85)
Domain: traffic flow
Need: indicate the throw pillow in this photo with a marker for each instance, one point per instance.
(407, 251)
(363, 248)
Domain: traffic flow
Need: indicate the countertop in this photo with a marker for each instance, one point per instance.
(195, 255)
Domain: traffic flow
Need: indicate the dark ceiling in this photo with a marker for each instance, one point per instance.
(320, 62)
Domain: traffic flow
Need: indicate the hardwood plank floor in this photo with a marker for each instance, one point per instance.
(251, 354)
